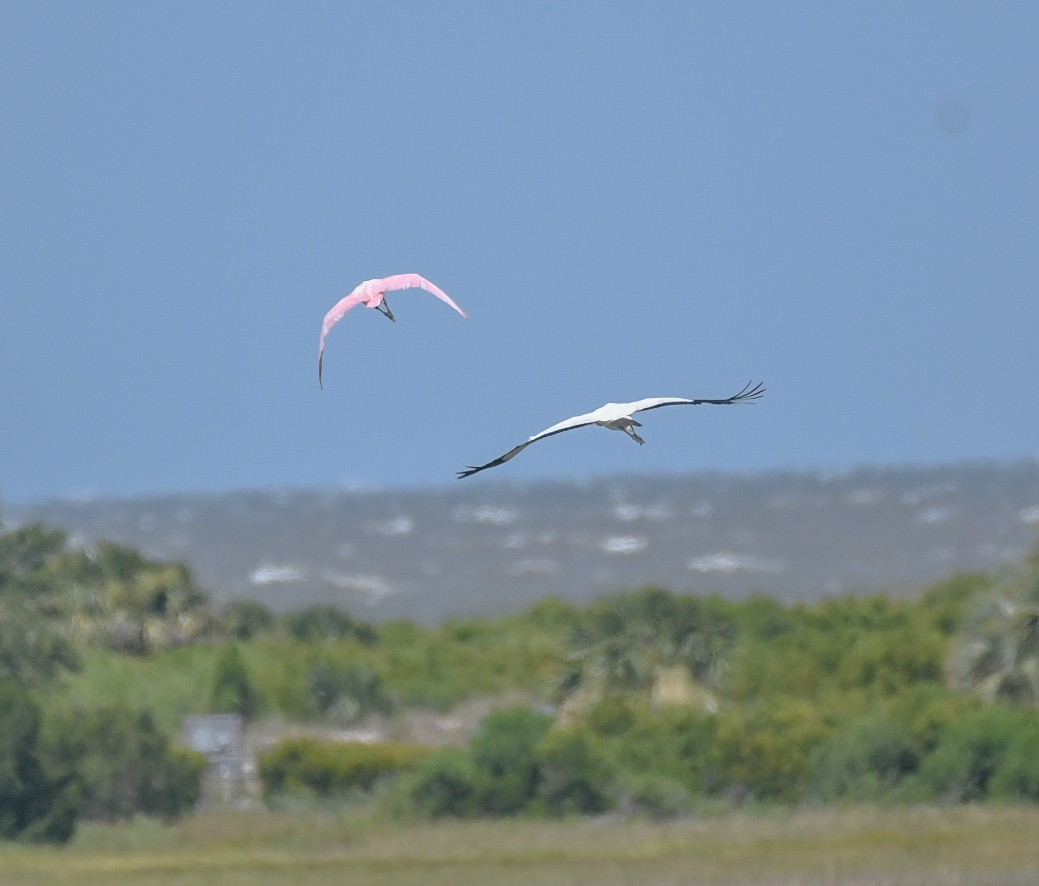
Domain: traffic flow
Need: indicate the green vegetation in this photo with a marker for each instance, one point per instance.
(60, 761)
(233, 691)
(35, 804)
(999, 652)
(649, 703)
(122, 764)
(322, 769)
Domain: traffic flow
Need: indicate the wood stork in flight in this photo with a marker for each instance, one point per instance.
(618, 417)
(372, 294)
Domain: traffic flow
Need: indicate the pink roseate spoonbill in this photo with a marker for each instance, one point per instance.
(618, 417)
(372, 294)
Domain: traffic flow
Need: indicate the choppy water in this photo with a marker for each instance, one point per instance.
(484, 548)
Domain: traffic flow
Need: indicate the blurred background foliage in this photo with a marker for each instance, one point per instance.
(648, 702)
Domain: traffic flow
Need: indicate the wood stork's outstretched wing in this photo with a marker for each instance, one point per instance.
(578, 421)
(612, 412)
(750, 392)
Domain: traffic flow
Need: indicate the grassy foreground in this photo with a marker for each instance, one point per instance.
(850, 846)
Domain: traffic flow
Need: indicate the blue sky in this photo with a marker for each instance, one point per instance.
(631, 199)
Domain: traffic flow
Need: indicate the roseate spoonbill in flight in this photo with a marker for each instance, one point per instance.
(372, 294)
(618, 417)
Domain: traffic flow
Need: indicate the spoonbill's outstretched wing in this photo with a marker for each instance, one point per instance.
(412, 281)
(615, 416)
(372, 293)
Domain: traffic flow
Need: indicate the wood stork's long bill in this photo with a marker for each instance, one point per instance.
(618, 417)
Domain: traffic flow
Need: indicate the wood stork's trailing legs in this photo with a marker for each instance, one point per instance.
(624, 424)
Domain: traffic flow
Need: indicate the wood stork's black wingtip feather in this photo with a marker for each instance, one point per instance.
(750, 392)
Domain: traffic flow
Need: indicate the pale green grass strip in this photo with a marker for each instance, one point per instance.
(857, 846)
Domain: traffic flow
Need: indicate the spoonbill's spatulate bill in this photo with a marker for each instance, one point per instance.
(618, 417)
(372, 294)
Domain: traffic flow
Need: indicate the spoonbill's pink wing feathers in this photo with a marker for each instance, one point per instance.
(365, 292)
(410, 281)
(331, 318)
(612, 412)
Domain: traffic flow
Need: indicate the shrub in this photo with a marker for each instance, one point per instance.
(345, 692)
(124, 765)
(33, 597)
(970, 754)
(324, 622)
(553, 614)
(233, 691)
(443, 785)
(673, 743)
(765, 749)
(504, 753)
(929, 710)
(31, 648)
(653, 794)
(38, 802)
(764, 618)
(1017, 777)
(131, 603)
(246, 619)
(864, 760)
(611, 715)
(620, 643)
(948, 603)
(785, 665)
(575, 776)
(175, 787)
(29, 558)
(889, 661)
(514, 765)
(997, 655)
(309, 767)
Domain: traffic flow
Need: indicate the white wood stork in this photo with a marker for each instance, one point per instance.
(618, 417)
